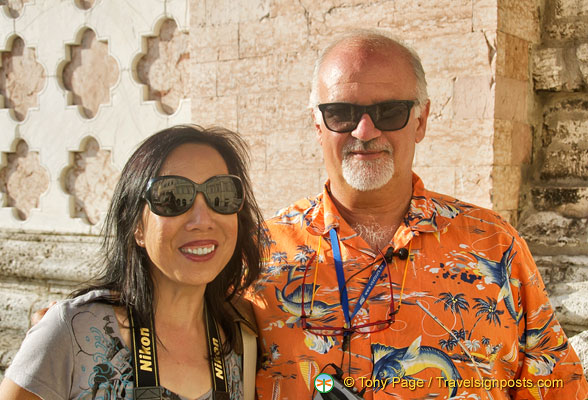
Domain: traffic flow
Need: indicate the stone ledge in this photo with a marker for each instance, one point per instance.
(570, 303)
(580, 345)
(549, 233)
(570, 202)
(47, 256)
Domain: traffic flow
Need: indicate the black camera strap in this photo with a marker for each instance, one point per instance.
(145, 366)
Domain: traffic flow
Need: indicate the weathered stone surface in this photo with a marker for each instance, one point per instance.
(566, 19)
(235, 76)
(90, 74)
(456, 55)
(512, 142)
(560, 269)
(164, 68)
(286, 33)
(580, 344)
(47, 257)
(582, 56)
(212, 43)
(550, 233)
(484, 15)
(218, 110)
(10, 340)
(506, 181)
(571, 202)
(438, 179)
(21, 79)
(474, 185)
(512, 57)
(571, 303)
(511, 99)
(565, 163)
(519, 18)
(23, 180)
(473, 97)
(555, 69)
(91, 181)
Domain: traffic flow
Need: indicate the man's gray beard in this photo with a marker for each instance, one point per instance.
(364, 175)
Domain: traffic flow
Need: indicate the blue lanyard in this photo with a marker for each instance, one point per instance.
(341, 281)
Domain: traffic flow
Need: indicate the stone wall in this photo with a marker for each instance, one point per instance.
(554, 216)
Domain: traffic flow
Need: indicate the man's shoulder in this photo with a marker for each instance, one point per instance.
(295, 212)
(454, 208)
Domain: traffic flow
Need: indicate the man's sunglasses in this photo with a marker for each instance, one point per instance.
(172, 195)
(387, 116)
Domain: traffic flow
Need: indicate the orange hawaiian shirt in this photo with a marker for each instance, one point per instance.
(470, 316)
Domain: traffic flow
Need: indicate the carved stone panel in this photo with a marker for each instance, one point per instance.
(23, 180)
(21, 79)
(91, 181)
(90, 74)
(165, 67)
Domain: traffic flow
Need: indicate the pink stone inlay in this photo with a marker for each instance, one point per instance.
(165, 67)
(91, 180)
(90, 74)
(23, 180)
(21, 79)
(14, 7)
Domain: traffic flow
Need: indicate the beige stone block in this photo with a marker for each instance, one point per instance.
(440, 95)
(292, 111)
(484, 15)
(474, 185)
(288, 33)
(292, 148)
(438, 179)
(512, 57)
(512, 143)
(567, 28)
(455, 55)
(341, 19)
(249, 75)
(473, 97)
(253, 10)
(519, 18)
(203, 77)
(212, 43)
(413, 21)
(257, 144)
(258, 112)
(565, 163)
(511, 99)
(582, 56)
(506, 183)
(459, 149)
(295, 71)
(569, 132)
(219, 12)
(281, 187)
(215, 111)
(285, 7)
(571, 8)
(551, 72)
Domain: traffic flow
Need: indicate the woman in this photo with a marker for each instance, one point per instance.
(181, 226)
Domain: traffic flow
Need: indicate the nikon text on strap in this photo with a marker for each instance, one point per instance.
(147, 385)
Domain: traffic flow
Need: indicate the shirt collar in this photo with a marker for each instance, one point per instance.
(428, 212)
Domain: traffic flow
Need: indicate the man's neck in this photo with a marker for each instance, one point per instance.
(376, 214)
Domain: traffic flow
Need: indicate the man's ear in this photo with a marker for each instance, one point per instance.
(317, 125)
(139, 235)
(422, 122)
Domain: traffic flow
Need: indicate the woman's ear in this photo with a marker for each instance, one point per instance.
(139, 237)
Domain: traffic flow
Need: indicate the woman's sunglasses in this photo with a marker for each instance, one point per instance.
(387, 116)
(172, 195)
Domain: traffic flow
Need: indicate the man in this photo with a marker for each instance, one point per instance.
(398, 291)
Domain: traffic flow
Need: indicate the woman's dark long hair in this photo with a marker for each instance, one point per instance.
(125, 265)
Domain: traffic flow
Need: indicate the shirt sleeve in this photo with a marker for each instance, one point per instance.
(44, 363)
(550, 368)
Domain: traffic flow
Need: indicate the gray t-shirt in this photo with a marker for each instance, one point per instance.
(76, 352)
